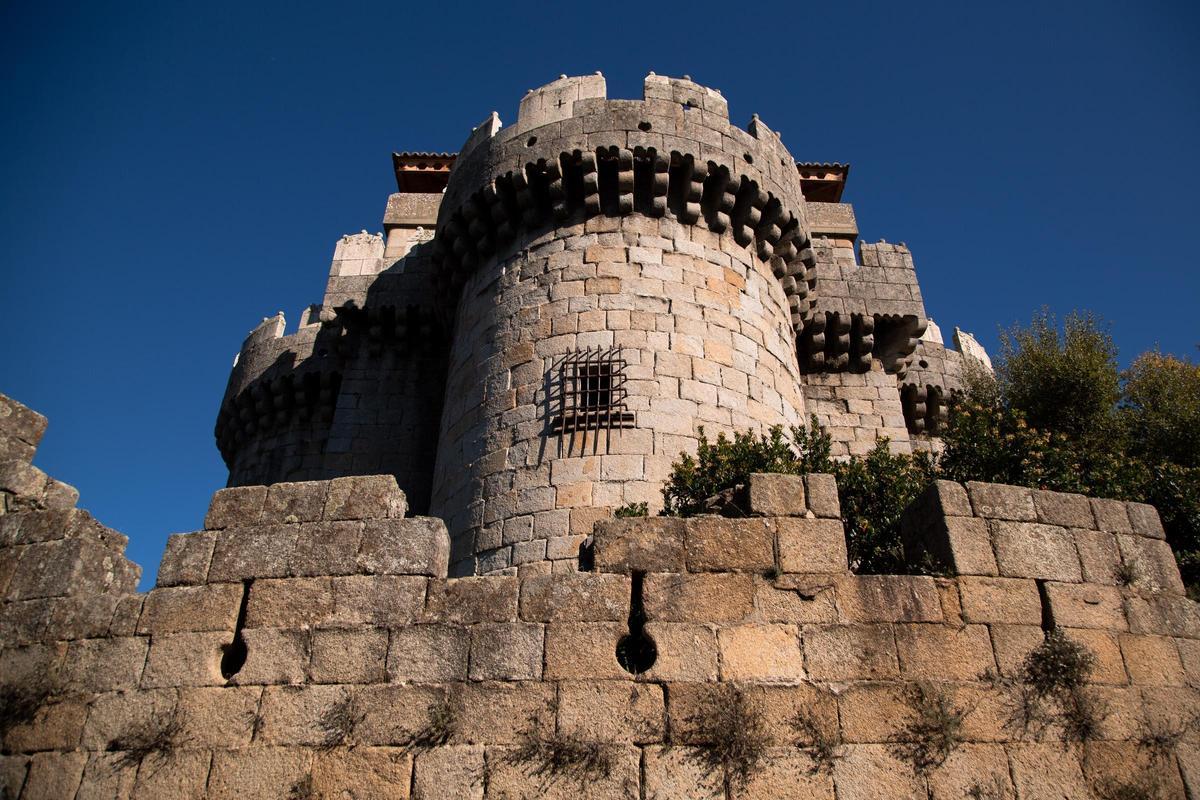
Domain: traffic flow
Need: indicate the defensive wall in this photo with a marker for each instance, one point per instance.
(308, 643)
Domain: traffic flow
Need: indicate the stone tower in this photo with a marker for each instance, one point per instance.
(553, 314)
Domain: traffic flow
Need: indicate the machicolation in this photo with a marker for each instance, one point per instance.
(438, 569)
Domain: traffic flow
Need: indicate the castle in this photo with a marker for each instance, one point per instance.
(414, 585)
(551, 314)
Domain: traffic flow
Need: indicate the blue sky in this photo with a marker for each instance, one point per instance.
(172, 173)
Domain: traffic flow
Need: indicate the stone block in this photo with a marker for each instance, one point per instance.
(467, 601)
(1005, 600)
(394, 715)
(56, 725)
(1082, 605)
(12, 772)
(257, 773)
(686, 652)
(24, 480)
(943, 652)
(1105, 646)
(888, 598)
(364, 497)
(59, 496)
(1152, 660)
(81, 617)
(850, 652)
(177, 775)
(506, 651)
(213, 607)
(185, 659)
(103, 665)
(999, 501)
(874, 711)
(761, 653)
(66, 567)
(1144, 520)
(186, 558)
(1011, 643)
(1099, 556)
(54, 776)
(639, 544)
(1166, 614)
(1032, 550)
(105, 777)
(584, 651)
(580, 597)
(274, 656)
(811, 545)
(362, 772)
(505, 712)
(218, 717)
(776, 495)
(260, 552)
(1047, 770)
(376, 600)
(509, 777)
(676, 771)
(326, 548)
(449, 773)
(715, 597)
(429, 653)
(971, 769)
(301, 715)
(236, 507)
(612, 711)
(870, 771)
(415, 546)
(126, 615)
(788, 772)
(1152, 563)
(1111, 515)
(821, 493)
(796, 599)
(289, 603)
(718, 544)
(1063, 509)
(114, 715)
(295, 502)
(349, 656)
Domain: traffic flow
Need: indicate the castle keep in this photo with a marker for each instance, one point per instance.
(551, 314)
(414, 585)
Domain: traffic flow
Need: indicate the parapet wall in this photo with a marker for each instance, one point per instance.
(307, 643)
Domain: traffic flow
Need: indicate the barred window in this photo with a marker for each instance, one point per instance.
(591, 394)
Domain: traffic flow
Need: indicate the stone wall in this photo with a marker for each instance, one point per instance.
(308, 644)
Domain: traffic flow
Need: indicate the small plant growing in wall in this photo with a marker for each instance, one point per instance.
(1052, 688)
(20, 703)
(438, 730)
(823, 746)
(339, 721)
(556, 756)
(935, 730)
(632, 510)
(733, 739)
(156, 736)
(995, 789)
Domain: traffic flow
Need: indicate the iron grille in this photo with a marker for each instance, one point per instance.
(591, 395)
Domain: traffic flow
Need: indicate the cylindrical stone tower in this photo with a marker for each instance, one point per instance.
(622, 274)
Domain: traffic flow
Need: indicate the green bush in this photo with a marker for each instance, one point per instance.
(874, 491)
(723, 466)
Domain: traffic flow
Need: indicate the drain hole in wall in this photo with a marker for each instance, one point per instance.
(636, 651)
(532, 141)
(587, 555)
(749, 158)
(233, 655)
(643, 126)
(923, 363)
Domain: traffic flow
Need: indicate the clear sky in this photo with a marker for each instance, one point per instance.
(172, 173)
